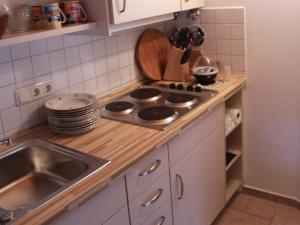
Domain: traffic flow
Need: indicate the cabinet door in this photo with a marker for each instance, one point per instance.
(198, 182)
(129, 10)
(192, 4)
(121, 218)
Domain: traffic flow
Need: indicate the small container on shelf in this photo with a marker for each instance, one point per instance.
(20, 19)
(3, 19)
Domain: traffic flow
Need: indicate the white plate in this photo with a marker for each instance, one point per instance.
(70, 102)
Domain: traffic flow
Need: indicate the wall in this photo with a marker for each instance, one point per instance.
(272, 119)
(78, 62)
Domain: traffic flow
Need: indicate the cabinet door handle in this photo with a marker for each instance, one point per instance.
(162, 220)
(179, 193)
(124, 7)
(151, 169)
(153, 199)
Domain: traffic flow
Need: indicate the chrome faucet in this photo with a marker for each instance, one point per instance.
(6, 141)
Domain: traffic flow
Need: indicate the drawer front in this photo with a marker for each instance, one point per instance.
(147, 202)
(185, 142)
(147, 171)
(97, 210)
(162, 216)
(121, 218)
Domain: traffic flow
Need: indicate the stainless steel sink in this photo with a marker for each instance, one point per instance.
(36, 171)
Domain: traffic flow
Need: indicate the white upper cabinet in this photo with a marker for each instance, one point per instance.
(191, 4)
(123, 11)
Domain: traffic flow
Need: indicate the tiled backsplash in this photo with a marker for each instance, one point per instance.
(225, 34)
(83, 62)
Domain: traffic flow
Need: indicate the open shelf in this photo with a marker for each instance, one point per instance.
(231, 187)
(237, 154)
(233, 126)
(11, 39)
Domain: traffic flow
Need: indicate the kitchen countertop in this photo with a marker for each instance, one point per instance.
(124, 144)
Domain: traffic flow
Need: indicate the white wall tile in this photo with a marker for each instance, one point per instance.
(5, 54)
(72, 56)
(103, 83)
(42, 78)
(19, 51)
(70, 40)
(60, 80)
(237, 15)
(238, 63)
(209, 30)
(131, 53)
(86, 52)
(74, 75)
(30, 113)
(112, 62)
(114, 79)
(77, 88)
(124, 59)
(54, 43)
(99, 48)
(237, 47)
(122, 42)
(38, 47)
(101, 66)
(23, 69)
(7, 96)
(134, 72)
(11, 118)
(125, 74)
(1, 129)
(57, 60)
(224, 59)
(88, 70)
(84, 37)
(90, 86)
(222, 15)
(133, 37)
(207, 15)
(6, 74)
(25, 83)
(223, 47)
(111, 45)
(40, 64)
(222, 31)
(237, 32)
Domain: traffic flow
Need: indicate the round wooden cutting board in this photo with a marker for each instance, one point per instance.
(151, 53)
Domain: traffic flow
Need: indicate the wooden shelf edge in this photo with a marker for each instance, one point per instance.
(40, 34)
(231, 187)
(230, 130)
(237, 154)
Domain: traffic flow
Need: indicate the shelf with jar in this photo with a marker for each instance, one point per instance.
(24, 23)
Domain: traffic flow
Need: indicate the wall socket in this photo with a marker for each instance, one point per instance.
(34, 92)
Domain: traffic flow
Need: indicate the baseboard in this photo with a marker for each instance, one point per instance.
(272, 196)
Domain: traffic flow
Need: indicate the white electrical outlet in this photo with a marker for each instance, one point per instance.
(34, 92)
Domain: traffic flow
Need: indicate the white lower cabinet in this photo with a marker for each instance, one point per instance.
(162, 216)
(98, 208)
(121, 218)
(198, 182)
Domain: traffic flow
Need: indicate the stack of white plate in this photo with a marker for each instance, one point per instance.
(72, 114)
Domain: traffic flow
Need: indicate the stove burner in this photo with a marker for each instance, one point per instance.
(120, 108)
(158, 115)
(181, 100)
(146, 94)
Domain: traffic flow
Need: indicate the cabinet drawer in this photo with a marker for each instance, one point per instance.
(99, 208)
(147, 171)
(194, 135)
(121, 218)
(162, 216)
(147, 202)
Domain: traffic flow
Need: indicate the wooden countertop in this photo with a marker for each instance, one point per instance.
(122, 143)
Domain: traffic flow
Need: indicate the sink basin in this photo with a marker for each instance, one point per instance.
(36, 171)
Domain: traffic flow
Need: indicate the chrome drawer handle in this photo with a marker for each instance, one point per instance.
(162, 220)
(124, 7)
(179, 194)
(151, 169)
(154, 198)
